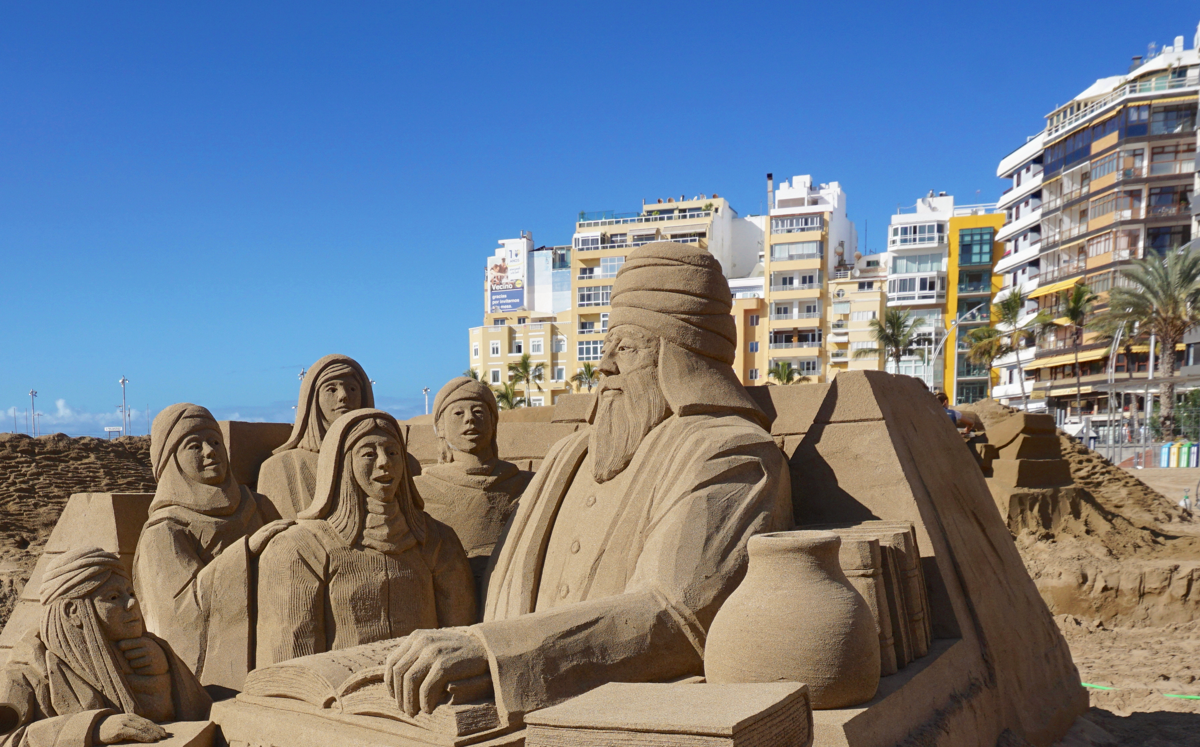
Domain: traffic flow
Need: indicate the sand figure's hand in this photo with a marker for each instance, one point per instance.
(420, 669)
(145, 656)
(258, 541)
(129, 727)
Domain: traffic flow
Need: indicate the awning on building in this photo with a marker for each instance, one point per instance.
(1156, 102)
(1062, 360)
(1046, 290)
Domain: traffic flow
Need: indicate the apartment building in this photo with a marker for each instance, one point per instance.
(857, 293)
(1109, 179)
(809, 236)
(971, 286)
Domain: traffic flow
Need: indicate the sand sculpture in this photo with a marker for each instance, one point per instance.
(470, 489)
(91, 674)
(332, 387)
(194, 563)
(364, 563)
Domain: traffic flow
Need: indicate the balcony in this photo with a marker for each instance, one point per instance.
(1167, 168)
(840, 274)
(797, 287)
(1016, 194)
(1166, 211)
(918, 297)
(1022, 224)
(967, 288)
(617, 221)
(789, 256)
(797, 315)
(1131, 89)
(792, 345)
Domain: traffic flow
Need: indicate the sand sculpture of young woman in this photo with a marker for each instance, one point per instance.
(364, 562)
(332, 387)
(193, 569)
(91, 674)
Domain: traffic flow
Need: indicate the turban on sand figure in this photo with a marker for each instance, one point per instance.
(364, 563)
(634, 530)
(91, 673)
(332, 387)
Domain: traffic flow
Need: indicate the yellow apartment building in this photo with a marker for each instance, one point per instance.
(857, 292)
(970, 289)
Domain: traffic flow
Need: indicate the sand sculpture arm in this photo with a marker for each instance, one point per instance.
(291, 598)
(724, 486)
(453, 582)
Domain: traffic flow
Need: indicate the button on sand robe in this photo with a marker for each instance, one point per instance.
(91, 673)
(699, 476)
(332, 387)
(193, 563)
(365, 563)
(470, 489)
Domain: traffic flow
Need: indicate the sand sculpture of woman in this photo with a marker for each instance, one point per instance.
(193, 568)
(470, 488)
(333, 386)
(91, 674)
(364, 562)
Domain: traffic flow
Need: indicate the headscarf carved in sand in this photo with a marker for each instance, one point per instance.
(65, 679)
(364, 560)
(288, 478)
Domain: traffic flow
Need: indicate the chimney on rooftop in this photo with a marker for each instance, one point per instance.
(1135, 63)
(770, 191)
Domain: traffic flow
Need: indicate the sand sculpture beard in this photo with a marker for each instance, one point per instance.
(629, 407)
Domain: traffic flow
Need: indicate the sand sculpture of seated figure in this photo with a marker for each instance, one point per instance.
(634, 531)
(332, 387)
(470, 489)
(364, 562)
(194, 560)
(91, 674)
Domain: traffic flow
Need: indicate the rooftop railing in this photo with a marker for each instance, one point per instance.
(1130, 89)
(642, 218)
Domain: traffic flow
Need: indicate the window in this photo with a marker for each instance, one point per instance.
(796, 250)
(587, 273)
(867, 345)
(604, 322)
(521, 319)
(595, 295)
(975, 246)
(922, 233)
(841, 307)
(560, 373)
(591, 350)
(862, 316)
(872, 263)
(537, 401)
(518, 347)
(1179, 158)
(501, 322)
(1170, 120)
(866, 285)
(1104, 166)
(1170, 201)
(808, 367)
(535, 346)
(1099, 245)
(753, 321)
(1102, 206)
(559, 345)
(587, 243)
(1167, 238)
(796, 224)
(474, 350)
(495, 376)
(753, 374)
(754, 347)
(610, 265)
(495, 349)
(917, 263)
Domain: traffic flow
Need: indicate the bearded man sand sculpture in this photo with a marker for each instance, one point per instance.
(470, 489)
(332, 387)
(193, 569)
(91, 674)
(365, 563)
(633, 532)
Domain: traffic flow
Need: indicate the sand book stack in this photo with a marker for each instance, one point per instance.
(626, 714)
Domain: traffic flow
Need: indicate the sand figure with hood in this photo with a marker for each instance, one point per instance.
(91, 674)
(634, 530)
(470, 489)
(193, 569)
(333, 386)
(364, 563)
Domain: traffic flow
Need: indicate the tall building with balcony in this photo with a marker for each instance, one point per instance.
(971, 287)
(857, 288)
(1109, 179)
(808, 237)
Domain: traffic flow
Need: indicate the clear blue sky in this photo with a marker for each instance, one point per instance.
(206, 199)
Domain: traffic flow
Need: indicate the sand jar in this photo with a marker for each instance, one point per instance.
(796, 618)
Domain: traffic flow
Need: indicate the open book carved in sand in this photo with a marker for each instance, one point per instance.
(351, 682)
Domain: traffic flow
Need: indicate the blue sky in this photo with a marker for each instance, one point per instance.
(207, 199)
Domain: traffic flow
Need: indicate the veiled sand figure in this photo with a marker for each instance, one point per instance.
(333, 386)
(365, 562)
(634, 530)
(194, 560)
(470, 489)
(91, 674)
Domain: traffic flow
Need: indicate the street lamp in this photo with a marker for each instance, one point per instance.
(425, 391)
(961, 318)
(124, 408)
(32, 409)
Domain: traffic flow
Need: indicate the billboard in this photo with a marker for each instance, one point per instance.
(506, 280)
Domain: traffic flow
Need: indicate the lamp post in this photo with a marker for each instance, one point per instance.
(961, 318)
(425, 391)
(124, 408)
(32, 409)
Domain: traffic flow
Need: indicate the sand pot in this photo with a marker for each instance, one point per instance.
(796, 618)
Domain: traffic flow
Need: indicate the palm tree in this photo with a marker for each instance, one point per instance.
(984, 346)
(526, 372)
(1163, 298)
(507, 396)
(894, 335)
(587, 376)
(471, 373)
(1076, 306)
(784, 373)
(1019, 330)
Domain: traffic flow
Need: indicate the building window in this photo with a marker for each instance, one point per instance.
(587, 273)
(521, 319)
(560, 373)
(595, 295)
(872, 263)
(587, 243)
(868, 345)
(537, 401)
(535, 346)
(866, 285)
(1172, 159)
(795, 250)
(922, 233)
(753, 322)
(1171, 120)
(610, 265)
(1099, 245)
(518, 347)
(975, 246)
(1102, 206)
(796, 224)
(495, 347)
(754, 347)
(559, 345)
(862, 316)
(753, 376)
(1167, 238)
(808, 367)
(917, 263)
(495, 376)
(474, 350)
(1104, 166)
(591, 350)
(841, 307)
(501, 322)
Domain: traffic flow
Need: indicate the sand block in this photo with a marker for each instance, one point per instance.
(573, 408)
(1031, 473)
(862, 563)
(543, 414)
(1030, 446)
(110, 521)
(530, 440)
(250, 444)
(792, 408)
(1003, 433)
(188, 734)
(677, 715)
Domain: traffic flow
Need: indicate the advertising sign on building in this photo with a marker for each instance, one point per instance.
(506, 280)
